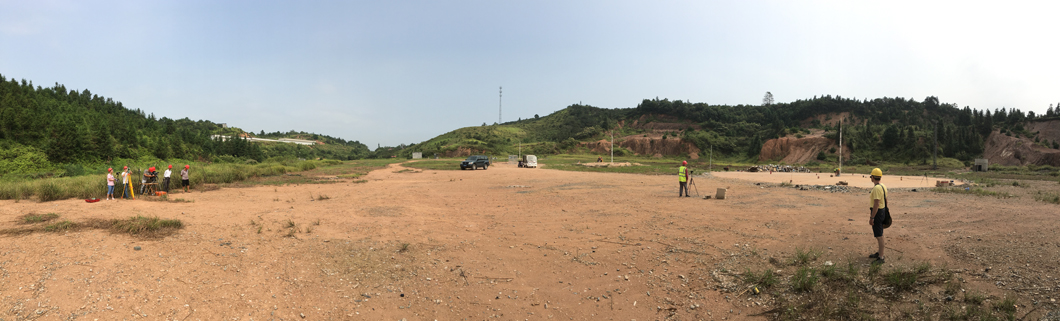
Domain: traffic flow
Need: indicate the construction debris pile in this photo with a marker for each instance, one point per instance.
(778, 168)
(830, 188)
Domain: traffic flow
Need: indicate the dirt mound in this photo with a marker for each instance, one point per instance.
(658, 147)
(793, 150)
(1006, 150)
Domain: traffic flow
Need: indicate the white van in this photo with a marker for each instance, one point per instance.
(529, 161)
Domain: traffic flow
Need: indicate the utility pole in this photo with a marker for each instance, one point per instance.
(935, 151)
(612, 147)
(500, 103)
(840, 145)
(711, 168)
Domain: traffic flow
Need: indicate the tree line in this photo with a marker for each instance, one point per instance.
(68, 126)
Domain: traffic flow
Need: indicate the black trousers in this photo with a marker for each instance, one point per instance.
(165, 184)
(682, 189)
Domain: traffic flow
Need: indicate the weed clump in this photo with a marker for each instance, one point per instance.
(60, 226)
(766, 279)
(37, 218)
(144, 225)
(803, 257)
(804, 280)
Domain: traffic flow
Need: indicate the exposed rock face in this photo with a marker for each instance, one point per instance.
(652, 145)
(791, 150)
(1006, 150)
(1049, 130)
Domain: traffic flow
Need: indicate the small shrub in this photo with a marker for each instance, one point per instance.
(290, 224)
(322, 197)
(404, 247)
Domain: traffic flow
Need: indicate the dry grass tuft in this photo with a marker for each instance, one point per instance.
(37, 218)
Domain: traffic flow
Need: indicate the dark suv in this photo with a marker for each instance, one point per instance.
(475, 161)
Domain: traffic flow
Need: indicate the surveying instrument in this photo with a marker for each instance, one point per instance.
(692, 181)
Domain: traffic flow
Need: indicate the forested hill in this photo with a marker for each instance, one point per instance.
(882, 129)
(40, 127)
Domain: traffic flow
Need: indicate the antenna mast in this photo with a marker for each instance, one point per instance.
(500, 103)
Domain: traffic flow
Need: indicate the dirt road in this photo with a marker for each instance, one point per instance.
(504, 243)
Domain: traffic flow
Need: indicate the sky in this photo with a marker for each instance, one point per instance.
(393, 72)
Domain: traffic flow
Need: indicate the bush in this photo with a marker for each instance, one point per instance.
(821, 156)
(49, 191)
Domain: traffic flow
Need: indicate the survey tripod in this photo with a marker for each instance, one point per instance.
(692, 182)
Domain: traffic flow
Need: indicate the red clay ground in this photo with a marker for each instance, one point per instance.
(504, 243)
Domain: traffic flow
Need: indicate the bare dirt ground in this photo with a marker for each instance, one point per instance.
(504, 243)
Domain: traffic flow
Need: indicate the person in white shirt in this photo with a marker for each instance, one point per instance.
(165, 178)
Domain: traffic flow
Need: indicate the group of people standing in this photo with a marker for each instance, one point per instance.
(879, 214)
(149, 177)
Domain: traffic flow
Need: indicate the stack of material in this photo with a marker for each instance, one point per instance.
(843, 183)
(943, 183)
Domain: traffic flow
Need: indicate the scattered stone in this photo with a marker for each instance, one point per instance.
(136, 248)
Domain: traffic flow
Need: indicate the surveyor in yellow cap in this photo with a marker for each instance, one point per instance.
(879, 215)
(682, 179)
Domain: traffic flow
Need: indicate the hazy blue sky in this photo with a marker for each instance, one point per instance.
(391, 72)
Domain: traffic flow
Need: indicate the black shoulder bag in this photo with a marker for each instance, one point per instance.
(886, 211)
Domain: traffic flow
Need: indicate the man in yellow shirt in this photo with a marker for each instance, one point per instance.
(682, 177)
(877, 211)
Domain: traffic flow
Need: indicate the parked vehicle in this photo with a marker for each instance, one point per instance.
(528, 161)
(475, 161)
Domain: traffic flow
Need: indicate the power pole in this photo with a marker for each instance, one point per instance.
(500, 103)
(840, 145)
(935, 152)
(612, 147)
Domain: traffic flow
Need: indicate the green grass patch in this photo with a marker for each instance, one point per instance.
(449, 164)
(37, 218)
(977, 191)
(1052, 198)
(848, 292)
